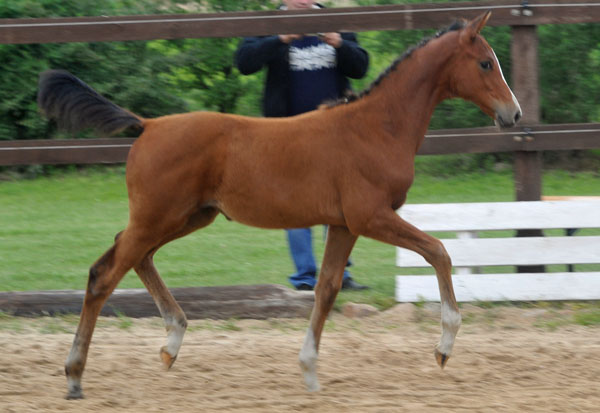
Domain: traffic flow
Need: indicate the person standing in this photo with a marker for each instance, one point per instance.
(303, 71)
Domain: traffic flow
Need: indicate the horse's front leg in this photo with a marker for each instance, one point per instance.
(388, 227)
(338, 246)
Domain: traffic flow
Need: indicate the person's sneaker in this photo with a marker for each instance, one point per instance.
(350, 284)
(304, 287)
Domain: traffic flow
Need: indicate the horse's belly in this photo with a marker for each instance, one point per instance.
(277, 217)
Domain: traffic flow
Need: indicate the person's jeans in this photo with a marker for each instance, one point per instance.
(301, 250)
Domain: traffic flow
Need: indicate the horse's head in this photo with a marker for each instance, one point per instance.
(477, 76)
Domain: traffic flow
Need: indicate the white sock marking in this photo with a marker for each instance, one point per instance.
(308, 362)
(450, 324)
(175, 334)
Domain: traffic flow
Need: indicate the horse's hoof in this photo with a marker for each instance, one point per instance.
(313, 387)
(441, 358)
(311, 381)
(167, 358)
(309, 371)
(74, 395)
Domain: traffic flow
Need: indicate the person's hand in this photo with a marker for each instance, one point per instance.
(288, 38)
(332, 39)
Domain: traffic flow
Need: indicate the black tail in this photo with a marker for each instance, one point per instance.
(76, 106)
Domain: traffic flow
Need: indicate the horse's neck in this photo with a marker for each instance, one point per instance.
(406, 98)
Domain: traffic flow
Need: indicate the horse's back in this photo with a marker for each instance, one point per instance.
(252, 169)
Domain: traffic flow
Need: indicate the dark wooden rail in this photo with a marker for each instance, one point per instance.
(396, 17)
(64, 151)
(437, 142)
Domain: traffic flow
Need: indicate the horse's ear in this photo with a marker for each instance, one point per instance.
(474, 26)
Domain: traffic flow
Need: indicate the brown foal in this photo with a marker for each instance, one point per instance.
(348, 166)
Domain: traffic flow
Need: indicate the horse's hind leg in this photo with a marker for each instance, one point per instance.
(171, 312)
(337, 250)
(104, 276)
(173, 315)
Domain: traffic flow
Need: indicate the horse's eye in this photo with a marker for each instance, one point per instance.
(486, 65)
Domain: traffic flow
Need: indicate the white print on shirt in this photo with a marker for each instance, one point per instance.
(317, 57)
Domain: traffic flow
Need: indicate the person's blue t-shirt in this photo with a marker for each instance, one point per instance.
(313, 77)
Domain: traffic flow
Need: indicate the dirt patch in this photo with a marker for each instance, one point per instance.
(505, 359)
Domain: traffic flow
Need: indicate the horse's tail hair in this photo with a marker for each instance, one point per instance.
(76, 106)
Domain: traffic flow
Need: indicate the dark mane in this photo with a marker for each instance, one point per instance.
(351, 97)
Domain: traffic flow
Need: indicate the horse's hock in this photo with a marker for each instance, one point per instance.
(238, 301)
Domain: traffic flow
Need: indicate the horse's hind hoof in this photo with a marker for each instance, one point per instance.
(167, 358)
(441, 358)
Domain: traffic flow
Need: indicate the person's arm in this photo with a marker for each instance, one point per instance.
(353, 60)
(255, 52)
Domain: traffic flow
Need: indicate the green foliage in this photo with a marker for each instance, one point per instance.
(130, 73)
(205, 67)
(151, 78)
(80, 8)
(569, 58)
(232, 5)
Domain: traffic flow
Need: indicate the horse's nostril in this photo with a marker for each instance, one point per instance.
(517, 116)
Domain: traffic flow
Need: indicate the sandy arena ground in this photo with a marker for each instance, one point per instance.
(505, 360)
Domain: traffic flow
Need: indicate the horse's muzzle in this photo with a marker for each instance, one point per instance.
(508, 117)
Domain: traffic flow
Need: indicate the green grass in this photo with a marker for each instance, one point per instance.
(588, 318)
(53, 228)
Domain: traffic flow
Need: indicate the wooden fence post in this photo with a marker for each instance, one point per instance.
(525, 80)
